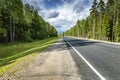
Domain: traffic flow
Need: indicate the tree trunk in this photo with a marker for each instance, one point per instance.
(11, 30)
(77, 31)
(113, 20)
(117, 23)
(94, 29)
(100, 37)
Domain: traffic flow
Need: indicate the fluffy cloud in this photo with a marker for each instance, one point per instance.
(52, 14)
(69, 15)
(63, 14)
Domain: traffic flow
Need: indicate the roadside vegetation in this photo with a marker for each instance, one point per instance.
(14, 53)
(23, 32)
(22, 22)
(102, 24)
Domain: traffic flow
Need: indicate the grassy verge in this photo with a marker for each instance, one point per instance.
(12, 54)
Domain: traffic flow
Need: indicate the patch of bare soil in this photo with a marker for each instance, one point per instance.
(56, 63)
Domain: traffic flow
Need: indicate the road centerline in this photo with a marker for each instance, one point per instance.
(96, 72)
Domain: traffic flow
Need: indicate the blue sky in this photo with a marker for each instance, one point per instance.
(62, 14)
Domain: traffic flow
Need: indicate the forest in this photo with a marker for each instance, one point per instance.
(103, 23)
(21, 22)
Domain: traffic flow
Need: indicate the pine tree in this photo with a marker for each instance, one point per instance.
(94, 13)
(20, 22)
(110, 14)
(101, 7)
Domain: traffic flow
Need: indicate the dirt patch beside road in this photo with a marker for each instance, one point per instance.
(56, 63)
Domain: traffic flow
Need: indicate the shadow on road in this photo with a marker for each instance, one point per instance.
(81, 43)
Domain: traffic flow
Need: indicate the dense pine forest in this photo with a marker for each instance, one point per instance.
(103, 22)
(21, 22)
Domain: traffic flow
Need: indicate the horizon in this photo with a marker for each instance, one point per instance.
(62, 14)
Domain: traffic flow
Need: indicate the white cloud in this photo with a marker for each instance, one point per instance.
(52, 14)
(67, 17)
(69, 13)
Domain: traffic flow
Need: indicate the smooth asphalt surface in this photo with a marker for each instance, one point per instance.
(104, 57)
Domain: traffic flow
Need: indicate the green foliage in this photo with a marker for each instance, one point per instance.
(3, 33)
(103, 22)
(22, 23)
(9, 53)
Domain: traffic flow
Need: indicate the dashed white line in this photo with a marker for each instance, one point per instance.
(97, 73)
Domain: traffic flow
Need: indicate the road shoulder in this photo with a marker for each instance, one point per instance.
(56, 63)
(108, 42)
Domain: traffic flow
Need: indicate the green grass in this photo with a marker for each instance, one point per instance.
(11, 54)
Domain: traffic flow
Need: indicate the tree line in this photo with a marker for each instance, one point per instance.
(103, 23)
(21, 22)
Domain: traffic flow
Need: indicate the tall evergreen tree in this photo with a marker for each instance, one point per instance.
(94, 14)
(101, 7)
(20, 22)
(103, 22)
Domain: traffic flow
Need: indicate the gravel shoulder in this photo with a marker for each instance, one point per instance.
(56, 63)
(103, 41)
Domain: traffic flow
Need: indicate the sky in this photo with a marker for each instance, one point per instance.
(63, 14)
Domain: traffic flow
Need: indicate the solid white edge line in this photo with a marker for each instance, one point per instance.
(97, 73)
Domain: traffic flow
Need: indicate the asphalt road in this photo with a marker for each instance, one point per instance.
(96, 60)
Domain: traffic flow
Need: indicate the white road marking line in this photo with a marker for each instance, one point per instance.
(97, 73)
